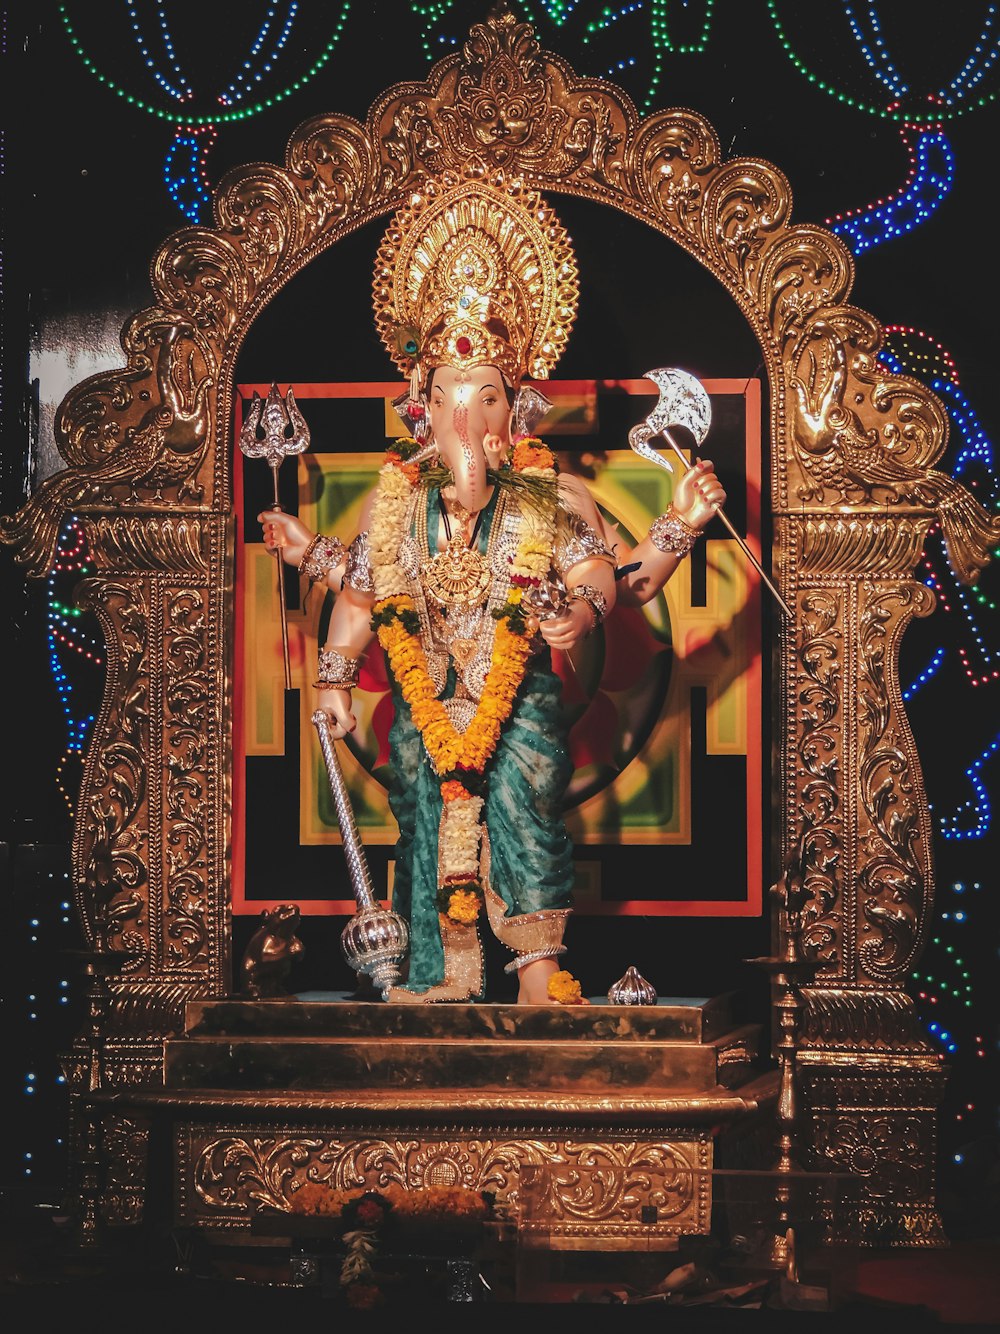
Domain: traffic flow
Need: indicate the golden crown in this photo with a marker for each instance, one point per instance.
(475, 273)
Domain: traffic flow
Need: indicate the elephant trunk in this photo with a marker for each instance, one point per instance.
(462, 446)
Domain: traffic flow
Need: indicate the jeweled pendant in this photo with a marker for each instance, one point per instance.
(456, 576)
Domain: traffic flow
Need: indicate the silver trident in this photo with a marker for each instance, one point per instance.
(684, 402)
(273, 429)
(375, 940)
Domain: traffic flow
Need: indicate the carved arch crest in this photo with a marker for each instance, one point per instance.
(853, 487)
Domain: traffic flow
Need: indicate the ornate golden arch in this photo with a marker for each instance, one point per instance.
(853, 494)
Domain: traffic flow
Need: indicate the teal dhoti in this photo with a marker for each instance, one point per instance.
(530, 852)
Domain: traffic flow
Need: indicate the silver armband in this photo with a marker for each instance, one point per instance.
(359, 565)
(594, 599)
(335, 671)
(322, 555)
(671, 535)
(577, 541)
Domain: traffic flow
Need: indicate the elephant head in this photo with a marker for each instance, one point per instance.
(470, 418)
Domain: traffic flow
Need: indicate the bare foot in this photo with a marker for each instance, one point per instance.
(534, 983)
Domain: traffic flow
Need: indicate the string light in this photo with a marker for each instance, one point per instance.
(661, 39)
(185, 169)
(558, 10)
(943, 106)
(971, 819)
(66, 631)
(182, 91)
(431, 14)
(931, 174)
(243, 83)
(926, 675)
(221, 117)
(913, 351)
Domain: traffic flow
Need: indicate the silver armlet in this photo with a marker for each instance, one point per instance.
(594, 599)
(335, 671)
(359, 565)
(671, 535)
(576, 541)
(322, 555)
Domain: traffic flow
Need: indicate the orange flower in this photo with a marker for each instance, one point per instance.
(452, 790)
(564, 988)
(463, 907)
(531, 453)
(448, 748)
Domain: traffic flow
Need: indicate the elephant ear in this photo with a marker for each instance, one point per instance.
(529, 407)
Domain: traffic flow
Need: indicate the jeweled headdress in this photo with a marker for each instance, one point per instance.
(473, 273)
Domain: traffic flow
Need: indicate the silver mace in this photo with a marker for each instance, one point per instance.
(684, 402)
(273, 429)
(375, 940)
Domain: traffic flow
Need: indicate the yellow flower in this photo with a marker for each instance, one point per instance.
(463, 906)
(564, 988)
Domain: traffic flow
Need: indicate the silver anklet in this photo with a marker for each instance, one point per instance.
(533, 956)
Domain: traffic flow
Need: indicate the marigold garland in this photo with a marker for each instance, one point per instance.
(459, 759)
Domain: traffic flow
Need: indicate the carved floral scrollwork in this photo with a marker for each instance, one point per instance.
(236, 1172)
(805, 270)
(891, 880)
(125, 1143)
(563, 1182)
(745, 203)
(109, 849)
(587, 1182)
(186, 696)
(889, 1153)
(333, 161)
(836, 385)
(819, 817)
(261, 210)
(673, 154)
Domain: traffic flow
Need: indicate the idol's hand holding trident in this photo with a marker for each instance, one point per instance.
(273, 429)
(684, 402)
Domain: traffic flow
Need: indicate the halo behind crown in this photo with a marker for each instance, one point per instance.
(475, 273)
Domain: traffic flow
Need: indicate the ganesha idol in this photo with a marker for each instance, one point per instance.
(475, 560)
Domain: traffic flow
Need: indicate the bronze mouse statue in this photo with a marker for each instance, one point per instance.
(272, 949)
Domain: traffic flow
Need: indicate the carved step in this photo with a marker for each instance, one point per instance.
(586, 1065)
(678, 1019)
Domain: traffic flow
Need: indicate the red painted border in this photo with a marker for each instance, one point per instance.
(748, 907)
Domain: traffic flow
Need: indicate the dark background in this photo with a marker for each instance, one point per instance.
(85, 207)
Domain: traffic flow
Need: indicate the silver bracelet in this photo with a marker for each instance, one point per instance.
(594, 599)
(671, 535)
(322, 555)
(522, 960)
(335, 671)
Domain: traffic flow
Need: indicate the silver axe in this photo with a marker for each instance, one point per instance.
(684, 402)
